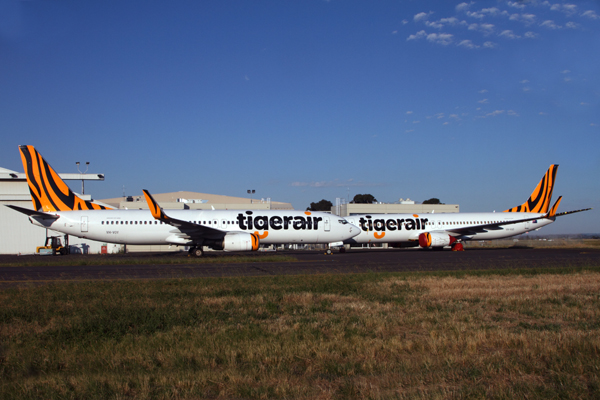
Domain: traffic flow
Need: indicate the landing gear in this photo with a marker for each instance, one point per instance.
(196, 251)
(457, 246)
(328, 252)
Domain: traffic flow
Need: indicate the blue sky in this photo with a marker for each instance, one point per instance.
(309, 100)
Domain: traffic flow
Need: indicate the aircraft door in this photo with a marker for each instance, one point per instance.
(84, 224)
(327, 224)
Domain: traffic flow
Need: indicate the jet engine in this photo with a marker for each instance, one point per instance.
(435, 239)
(235, 241)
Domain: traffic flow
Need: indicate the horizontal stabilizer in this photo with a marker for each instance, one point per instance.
(572, 212)
(33, 213)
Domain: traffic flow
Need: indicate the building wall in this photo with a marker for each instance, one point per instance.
(19, 236)
(348, 209)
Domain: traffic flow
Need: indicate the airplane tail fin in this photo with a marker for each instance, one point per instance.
(48, 191)
(539, 201)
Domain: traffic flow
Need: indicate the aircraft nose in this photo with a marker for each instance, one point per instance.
(354, 230)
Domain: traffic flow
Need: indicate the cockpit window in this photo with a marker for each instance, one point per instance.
(342, 221)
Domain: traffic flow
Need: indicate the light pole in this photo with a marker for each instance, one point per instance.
(251, 192)
(87, 166)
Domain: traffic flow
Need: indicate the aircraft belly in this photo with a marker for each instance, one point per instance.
(287, 236)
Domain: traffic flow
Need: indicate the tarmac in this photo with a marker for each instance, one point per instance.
(308, 262)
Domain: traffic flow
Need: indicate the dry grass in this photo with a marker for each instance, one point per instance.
(375, 336)
(537, 243)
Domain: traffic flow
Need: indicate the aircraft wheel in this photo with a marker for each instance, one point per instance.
(198, 252)
(328, 252)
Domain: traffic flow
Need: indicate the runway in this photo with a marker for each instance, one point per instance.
(308, 262)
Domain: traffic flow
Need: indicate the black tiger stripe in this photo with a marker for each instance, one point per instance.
(34, 188)
(532, 203)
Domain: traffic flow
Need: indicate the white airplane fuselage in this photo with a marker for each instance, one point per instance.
(138, 227)
(392, 228)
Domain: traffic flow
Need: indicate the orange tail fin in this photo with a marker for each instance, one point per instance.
(539, 201)
(48, 191)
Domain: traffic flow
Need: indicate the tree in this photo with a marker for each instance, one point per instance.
(433, 200)
(323, 205)
(363, 199)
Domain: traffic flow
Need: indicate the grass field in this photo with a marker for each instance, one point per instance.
(503, 334)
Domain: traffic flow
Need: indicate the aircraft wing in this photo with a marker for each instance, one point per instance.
(186, 229)
(33, 213)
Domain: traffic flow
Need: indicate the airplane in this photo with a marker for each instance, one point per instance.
(56, 207)
(452, 229)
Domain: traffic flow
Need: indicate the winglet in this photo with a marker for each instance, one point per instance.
(552, 212)
(155, 209)
(539, 201)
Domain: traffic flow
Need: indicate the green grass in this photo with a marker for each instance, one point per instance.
(483, 334)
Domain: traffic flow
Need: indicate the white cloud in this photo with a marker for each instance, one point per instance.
(468, 44)
(509, 34)
(449, 21)
(513, 113)
(489, 45)
(572, 25)
(440, 38)
(435, 25)
(566, 71)
(487, 28)
(463, 6)
(422, 16)
(476, 14)
(483, 91)
(590, 14)
(550, 24)
(495, 113)
(516, 4)
(484, 101)
(530, 35)
(418, 35)
(524, 81)
(409, 112)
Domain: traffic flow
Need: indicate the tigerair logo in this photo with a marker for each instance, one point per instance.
(248, 221)
(380, 225)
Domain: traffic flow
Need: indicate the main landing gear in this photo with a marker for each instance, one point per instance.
(196, 251)
(457, 246)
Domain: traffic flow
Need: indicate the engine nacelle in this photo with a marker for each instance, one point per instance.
(235, 241)
(435, 239)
